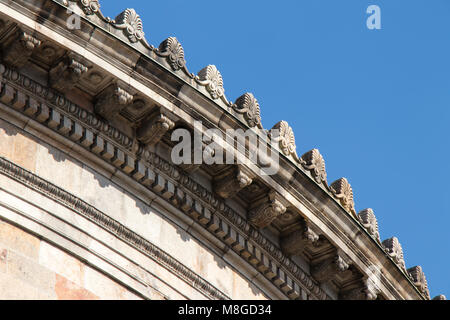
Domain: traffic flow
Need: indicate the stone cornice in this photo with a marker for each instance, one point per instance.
(179, 189)
(114, 146)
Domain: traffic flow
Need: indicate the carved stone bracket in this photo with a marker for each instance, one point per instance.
(369, 221)
(232, 181)
(154, 128)
(327, 269)
(66, 74)
(366, 291)
(267, 209)
(419, 279)
(18, 49)
(295, 242)
(113, 100)
(394, 249)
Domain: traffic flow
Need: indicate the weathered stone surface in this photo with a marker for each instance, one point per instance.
(101, 184)
(13, 238)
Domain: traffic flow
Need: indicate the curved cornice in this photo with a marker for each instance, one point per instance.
(246, 108)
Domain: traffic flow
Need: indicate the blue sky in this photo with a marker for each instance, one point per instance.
(375, 102)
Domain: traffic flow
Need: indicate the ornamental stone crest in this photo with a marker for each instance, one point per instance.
(211, 78)
(314, 162)
(419, 279)
(249, 107)
(172, 50)
(394, 249)
(285, 137)
(342, 190)
(132, 25)
(369, 221)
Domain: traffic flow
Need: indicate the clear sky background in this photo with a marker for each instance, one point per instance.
(376, 103)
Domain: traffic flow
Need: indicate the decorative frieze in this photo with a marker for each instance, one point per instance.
(53, 97)
(233, 180)
(296, 241)
(113, 100)
(267, 210)
(418, 277)
(18, 49)
(342, 190)
(394, 249)
(248, 106)
(67, 73)
(154, 128)
(367, 218)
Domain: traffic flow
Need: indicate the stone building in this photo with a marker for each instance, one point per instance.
(93, 207)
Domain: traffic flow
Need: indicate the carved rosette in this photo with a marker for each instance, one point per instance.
(90, 7)
(342, 190)
(132, 25)
(249, 107)
(211, 78)
(419, 279)
(314, 162)
(267, 211)
(172, 50)
(369, 221)
(394, 249)
(286, 139)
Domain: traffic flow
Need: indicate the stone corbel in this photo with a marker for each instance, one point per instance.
(19, 48)
(67, 73)
(366, 291)
(295, 242)
(327, 269)
(233, 180)
(267, 210)
(113, 100)
(154, 128)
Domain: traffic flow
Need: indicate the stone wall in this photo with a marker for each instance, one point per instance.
(117, 271)
(31, 268)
